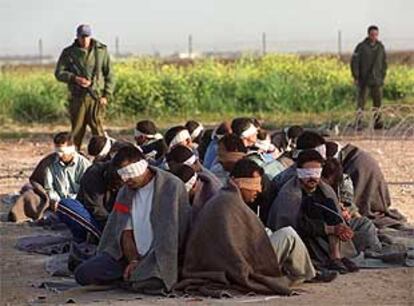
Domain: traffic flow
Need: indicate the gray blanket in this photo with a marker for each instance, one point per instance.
(286, 211)
(44, 244)
(170, 219)
(371, 190)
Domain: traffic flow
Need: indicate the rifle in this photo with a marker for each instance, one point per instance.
(78, 71)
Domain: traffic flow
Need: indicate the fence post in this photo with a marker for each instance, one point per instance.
(263, 44)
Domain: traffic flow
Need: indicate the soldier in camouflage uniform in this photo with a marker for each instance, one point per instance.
(369, 68)
(86, 68)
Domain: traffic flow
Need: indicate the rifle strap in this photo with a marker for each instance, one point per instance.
(371, 68)
(95, 72)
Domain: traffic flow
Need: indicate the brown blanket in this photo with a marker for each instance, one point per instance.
(229, 250)
(205, 189)
(33, 201)
(371, 190)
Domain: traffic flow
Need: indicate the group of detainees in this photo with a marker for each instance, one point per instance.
(231, 209)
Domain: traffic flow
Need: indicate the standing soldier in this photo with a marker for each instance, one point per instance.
(85, 66)
(369, 67)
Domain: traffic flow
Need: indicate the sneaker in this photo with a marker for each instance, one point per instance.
(350, 265)
(336, 265)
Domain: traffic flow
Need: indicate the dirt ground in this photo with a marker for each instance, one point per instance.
(21, 273)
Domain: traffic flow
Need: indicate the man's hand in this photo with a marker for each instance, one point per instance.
(130, 268)
(83, 82)
(103, 101)
(53, 205)
(343, 231)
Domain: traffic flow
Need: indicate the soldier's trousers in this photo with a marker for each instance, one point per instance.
(375, 93)
(85, 111)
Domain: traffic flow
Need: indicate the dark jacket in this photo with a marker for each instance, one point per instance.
(95, 65)
(369, 63)
(94, 192)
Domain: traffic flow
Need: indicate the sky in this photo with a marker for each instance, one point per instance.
(146, 27)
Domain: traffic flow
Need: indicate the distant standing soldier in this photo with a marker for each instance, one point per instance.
(369, 68)
(86, 67)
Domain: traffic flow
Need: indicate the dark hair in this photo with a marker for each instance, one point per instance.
(256, 123)
(183, 172)
(262, 134)
(239, 125)
(191, 125)
(63, 138)
(129, 154)
(372, 28)
(246, 168)
(233, 143)
(331, 148)
(96, 145)
(294, 132)
(309, 140)
(308, 156)
(332, 172)
(172, 132)
(223, 129)
(179, 154)
(146, 127)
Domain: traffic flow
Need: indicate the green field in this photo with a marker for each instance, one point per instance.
(274, 84)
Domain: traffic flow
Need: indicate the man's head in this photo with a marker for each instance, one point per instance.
(373, 32)
(99, 146)
(332, 173)
(294, 131)
(309, 169)
(223, 129)
(131, 166)
(64, 147)
(230, 150)
(178, 135)
(246, 130)
(145, 130)
(311, 140)
(196, 130)
(188, 176)
(83, 35)
(264, 143)
(292, 134)
(247, 175)
(332, 149)
(180, 155)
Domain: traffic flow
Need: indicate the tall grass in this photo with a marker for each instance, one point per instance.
(274, 83)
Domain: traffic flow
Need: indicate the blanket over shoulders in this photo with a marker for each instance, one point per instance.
(170, 218)
(286, 209)
(371, 193)
(228, 249)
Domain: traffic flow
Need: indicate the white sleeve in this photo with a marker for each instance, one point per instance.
(128, 225)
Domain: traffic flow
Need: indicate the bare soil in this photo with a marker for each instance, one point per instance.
(21, 273)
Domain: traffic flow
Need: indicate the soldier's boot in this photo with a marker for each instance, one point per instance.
(359, 120)
(377, 117)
